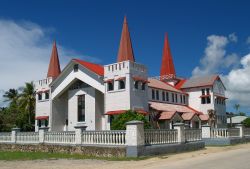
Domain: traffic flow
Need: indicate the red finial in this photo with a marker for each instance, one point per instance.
(167, 65)
(54, 65)
(125, 49)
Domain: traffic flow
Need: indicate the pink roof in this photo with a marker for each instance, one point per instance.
(116, 112)
(188, 116)
(165, 107)
(98, 69)
(204, 117)
(155, 83)
(199, 81)
(167, 115)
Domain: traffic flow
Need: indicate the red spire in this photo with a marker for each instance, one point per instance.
(167, 65)
(54, 65)
(125, 49)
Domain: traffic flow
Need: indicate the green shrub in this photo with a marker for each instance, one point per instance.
(119, 122)
(246, 122)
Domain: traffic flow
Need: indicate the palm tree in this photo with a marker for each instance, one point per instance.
(11, 96)
(237, 107)
(27, 99)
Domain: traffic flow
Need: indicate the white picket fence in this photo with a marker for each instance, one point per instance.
(160, 136)
(193, 135)
(225, 132)
(27, 137)
(115, 137)
(60, 137)
(5, 137)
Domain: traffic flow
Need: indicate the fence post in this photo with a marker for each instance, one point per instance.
(241, 127)
(180, 132)
(41, 133)
(206, 131)
(135, 139)
(78, 133)
(13, 134)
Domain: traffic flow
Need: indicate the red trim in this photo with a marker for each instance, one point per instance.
(98, 69)
(120, 78)
(42, 117)
(198, 112)
(137, 78)
(108, 80)
(208, 95)
(223, 97)
(180, 84)
(116, 112)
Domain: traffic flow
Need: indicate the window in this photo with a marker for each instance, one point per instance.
(47, 95)
(136, 84)
(121, 84)
(110, 86)
(208, 92)
(181, 98)
(208, 100)
(167, 97)
(39, 96)
(143, 86)
(75, 67)
(153, 94)
(202, 91)
(203, 100)
(172, 97)
(163, 96)
(176, 98)
(184, 99)
(157, 94)
(81, 108)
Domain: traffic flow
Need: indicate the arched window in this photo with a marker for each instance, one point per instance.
(136, 84)
(39, 96)
(110, 86)
(121, 84)
(143, 86)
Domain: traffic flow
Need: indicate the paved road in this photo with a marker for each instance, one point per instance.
(231, 157)
(234, 159)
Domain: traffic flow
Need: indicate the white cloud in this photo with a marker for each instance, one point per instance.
(237, 80)
(232, 37)
(25, 49)
(215, 57)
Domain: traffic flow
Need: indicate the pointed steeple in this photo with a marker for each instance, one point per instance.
(167, 65)
(125, 49)
(54, 65)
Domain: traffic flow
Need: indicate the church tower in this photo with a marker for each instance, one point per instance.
(125, 80)
(167, 72)
(43, 92)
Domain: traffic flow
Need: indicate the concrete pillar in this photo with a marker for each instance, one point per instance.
(13, 134)
(206, 131)
(78, 133)
(135, 139)
(241, 127)
(41, 133)
(181, 132)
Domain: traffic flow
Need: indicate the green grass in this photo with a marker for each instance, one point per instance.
(17, 155)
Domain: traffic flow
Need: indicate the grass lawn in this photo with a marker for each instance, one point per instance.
(17, 155)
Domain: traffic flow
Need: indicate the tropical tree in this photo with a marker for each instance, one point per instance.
(237, 107)
(27, 100)
(11, 96)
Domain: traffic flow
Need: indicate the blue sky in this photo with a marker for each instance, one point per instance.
(91, 30)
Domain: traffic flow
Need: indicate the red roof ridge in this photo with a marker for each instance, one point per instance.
(198, 112)
(96, 68)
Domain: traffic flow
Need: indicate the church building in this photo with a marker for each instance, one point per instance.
(87, 95)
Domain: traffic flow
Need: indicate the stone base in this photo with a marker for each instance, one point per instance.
(97, 151)
(225, 141)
